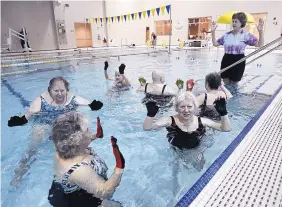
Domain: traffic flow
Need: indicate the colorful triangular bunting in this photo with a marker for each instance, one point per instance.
(148, 13)
(132, 16)
(163, 9)
(167, 8)
(153, 12)
(144, 14)
(139, 13)
(158, 11)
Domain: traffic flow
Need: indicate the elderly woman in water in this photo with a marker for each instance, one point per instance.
(121, 81)
(53, 102)
(80, 177)
(185, 129)
(45, 109)
(214, 90)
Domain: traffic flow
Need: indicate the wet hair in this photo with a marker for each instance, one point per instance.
(68, 132)
(158, 75)
(213, 80)
(241, 16)
(58, 78)
(186, 95)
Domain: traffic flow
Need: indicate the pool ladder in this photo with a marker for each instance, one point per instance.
(17, 35)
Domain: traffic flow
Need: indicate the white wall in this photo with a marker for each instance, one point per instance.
(77, 12)
(36, 16)
(39, 19)
(182, 10)
(134, 31)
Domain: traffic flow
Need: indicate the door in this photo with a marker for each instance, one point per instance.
(83, 34)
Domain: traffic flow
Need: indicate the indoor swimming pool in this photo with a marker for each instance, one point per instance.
(155, 175)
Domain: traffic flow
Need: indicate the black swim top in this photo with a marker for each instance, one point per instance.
(63, 194)
(208, 110)
(184, 140)
(161, 99)
(147, 86)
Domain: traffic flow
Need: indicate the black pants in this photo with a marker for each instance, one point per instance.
(236, 72)
(22, 43)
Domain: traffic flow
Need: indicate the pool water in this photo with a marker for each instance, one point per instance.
(155, 174)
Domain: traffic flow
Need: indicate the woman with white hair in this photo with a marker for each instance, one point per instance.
(185, 129)
(80, 178)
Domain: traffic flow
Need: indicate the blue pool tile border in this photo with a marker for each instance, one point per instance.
(23, 101)
(200, 184)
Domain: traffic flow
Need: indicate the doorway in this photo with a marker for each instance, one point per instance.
(83, 34)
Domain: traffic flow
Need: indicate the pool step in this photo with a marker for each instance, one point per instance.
(246, 79)
(253, 84)
(271, 85)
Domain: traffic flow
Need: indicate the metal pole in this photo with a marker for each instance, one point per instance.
(24, 36)
(85, 36)
(170, 31)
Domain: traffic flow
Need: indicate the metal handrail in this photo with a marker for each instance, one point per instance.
(17, 35)
(264, 54)
(251, 54)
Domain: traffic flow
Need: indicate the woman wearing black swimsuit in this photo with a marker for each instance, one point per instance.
(80, 175)
(214, 90)
(185, 129)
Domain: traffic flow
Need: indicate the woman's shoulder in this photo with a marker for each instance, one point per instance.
(246, 33)
(46, 95)
(220, 93)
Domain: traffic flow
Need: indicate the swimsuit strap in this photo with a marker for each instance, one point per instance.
(172, 121)
(205, 101)
(200, 123)
(72, 100)
(43, 99)
(163, 89)
(71, 170)
(146, 87)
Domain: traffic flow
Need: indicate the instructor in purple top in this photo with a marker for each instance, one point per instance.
(234, 43)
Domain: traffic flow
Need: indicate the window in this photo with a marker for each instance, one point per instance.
(252, 28)
(199, 28)
(163, 27)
